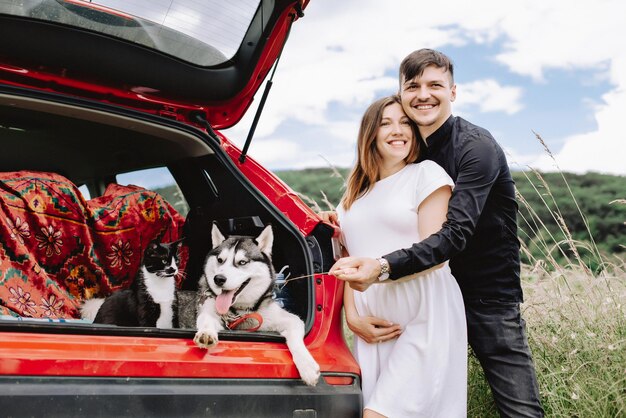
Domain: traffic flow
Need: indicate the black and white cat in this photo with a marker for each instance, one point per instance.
(151, 300)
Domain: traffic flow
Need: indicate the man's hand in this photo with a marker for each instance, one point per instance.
(373, 330)
(359, 272)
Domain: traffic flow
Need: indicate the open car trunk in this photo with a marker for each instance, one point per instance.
(93, 147)
(107, 117)
(67, 367)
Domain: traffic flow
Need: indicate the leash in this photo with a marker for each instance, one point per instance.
(301, 277)
(254, 321)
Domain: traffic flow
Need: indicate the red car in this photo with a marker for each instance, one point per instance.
(111, 114)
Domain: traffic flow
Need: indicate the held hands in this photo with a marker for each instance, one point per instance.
(373, 330)
(359, 272)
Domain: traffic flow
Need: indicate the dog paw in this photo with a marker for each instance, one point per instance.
(205, 339)
(309, 371)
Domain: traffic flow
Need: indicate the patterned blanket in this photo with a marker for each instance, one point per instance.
(56, 249)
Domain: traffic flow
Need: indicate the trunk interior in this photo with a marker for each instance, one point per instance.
(92, 146)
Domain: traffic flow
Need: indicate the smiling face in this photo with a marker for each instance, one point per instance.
(427, 98)
(394, 139)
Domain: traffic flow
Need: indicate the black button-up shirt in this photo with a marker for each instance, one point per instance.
(479, 236)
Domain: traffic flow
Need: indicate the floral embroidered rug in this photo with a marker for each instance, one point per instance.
(57, 249)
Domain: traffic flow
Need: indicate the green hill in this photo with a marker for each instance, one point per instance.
(560, 214)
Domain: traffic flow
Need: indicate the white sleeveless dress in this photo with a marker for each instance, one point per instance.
(423, 373)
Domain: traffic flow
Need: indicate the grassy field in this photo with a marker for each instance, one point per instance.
(576, 325)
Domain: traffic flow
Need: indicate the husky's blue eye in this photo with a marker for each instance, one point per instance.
(242, 262)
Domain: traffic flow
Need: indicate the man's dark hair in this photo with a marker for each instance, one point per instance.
(416, 62)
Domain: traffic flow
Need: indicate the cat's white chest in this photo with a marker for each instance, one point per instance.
(166, 318)
(162, 290)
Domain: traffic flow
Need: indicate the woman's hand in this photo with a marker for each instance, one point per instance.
(358, 272)
(369, 328)
(329, 216)
(373, 330)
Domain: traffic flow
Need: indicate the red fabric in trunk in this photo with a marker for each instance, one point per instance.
(56, 249)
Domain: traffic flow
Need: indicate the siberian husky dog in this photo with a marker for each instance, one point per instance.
(237, 280)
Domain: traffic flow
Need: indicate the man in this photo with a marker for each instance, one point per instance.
(479, 236)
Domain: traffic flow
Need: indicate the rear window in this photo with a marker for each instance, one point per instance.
(203, 32)
(158, 180)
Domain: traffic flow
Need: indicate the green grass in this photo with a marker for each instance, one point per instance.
(577, 334)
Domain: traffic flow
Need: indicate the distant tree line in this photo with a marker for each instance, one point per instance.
(559, 208)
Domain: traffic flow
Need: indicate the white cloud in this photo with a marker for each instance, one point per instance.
(346, 53)
(345, 159)
(274, 151)
(601, 151)
(345, 130)
(562, 34)
(519, 161)
(294, 154)
(488, 96)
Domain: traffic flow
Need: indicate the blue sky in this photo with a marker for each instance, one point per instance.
(557, 68)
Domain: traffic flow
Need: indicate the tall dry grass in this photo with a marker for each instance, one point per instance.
(575, 317)
(576, 326)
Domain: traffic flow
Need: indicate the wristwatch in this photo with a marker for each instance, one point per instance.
(384, 269)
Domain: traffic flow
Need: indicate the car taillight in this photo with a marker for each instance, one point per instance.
(339, 380)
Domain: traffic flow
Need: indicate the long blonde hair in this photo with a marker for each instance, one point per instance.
(366, 171)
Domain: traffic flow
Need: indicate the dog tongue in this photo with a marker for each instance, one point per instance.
(224, 300)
